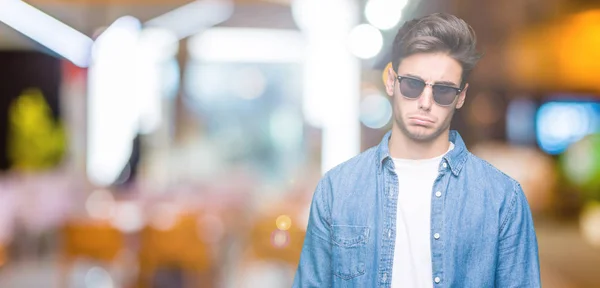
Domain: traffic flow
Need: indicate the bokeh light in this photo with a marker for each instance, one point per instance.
(98, 277)
(100, 204)
(280, 239)
(365, 41)
(314, 15)
(283, 222)
(128, 217)
(590, 223)
(581, 164)
(375, 111)
(384, 14)
(562, 123)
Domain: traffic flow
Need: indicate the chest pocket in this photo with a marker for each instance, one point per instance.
(349, 250)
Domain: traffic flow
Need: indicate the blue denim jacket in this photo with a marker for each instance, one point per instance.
(487, 237)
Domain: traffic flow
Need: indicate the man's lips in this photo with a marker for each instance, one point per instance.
(421, 120)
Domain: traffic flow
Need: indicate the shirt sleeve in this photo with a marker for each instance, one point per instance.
(518, 260)
(314, 269)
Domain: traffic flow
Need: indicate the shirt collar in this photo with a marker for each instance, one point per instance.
(455, 158)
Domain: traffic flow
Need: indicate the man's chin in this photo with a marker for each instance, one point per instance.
(421, 137)
(422, 134)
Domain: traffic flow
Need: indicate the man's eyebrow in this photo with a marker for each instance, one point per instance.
(415, 76)
(448, 83)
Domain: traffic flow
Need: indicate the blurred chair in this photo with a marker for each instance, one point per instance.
(94, 240)
(269, 243)
(177, 247)
(272, 251)
(3, 257)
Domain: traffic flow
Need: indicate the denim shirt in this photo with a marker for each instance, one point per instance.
(482, 232)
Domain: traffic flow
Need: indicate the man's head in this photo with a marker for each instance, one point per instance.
(432, 58)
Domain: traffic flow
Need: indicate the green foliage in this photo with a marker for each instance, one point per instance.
(35, 141)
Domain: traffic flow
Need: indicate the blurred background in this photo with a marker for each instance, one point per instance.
(155, 143)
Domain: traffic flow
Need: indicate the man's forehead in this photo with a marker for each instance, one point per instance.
(433, 67)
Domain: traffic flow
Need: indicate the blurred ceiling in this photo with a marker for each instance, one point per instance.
(497, 24)
(87, 16)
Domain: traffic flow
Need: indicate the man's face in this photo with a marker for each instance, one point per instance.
(422, 119)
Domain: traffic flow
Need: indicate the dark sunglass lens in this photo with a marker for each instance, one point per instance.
(411, 88)
(444, 95)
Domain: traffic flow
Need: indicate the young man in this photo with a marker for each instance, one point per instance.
(419, 210)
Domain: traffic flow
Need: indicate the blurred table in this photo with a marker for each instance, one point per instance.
(566, 260)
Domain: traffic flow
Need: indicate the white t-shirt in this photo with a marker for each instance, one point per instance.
(412, 255)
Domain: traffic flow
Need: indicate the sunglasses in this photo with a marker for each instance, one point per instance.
(412, 88)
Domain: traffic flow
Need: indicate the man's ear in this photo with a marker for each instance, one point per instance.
(462, 96)
(389, 79)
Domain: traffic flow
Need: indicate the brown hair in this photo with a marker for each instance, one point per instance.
(438, 32)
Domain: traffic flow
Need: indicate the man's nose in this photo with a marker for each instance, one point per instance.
(426, 99)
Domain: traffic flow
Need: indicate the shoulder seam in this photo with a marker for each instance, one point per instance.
(324, 202)
(512, 204)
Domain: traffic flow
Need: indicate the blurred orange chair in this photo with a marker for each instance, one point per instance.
(271, 252)
(95, 240)
(177, 246)
(3, 257)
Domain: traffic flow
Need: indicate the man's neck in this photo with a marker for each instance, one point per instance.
(402, 147)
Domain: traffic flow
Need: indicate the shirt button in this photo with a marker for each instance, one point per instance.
(444, 165)
(437, 279)
(436, 236)
(390, 233)
(438, 194)
(384, 277)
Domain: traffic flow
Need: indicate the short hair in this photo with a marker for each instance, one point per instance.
(438, 32)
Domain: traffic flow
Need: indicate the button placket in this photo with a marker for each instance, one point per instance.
(436, 228)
